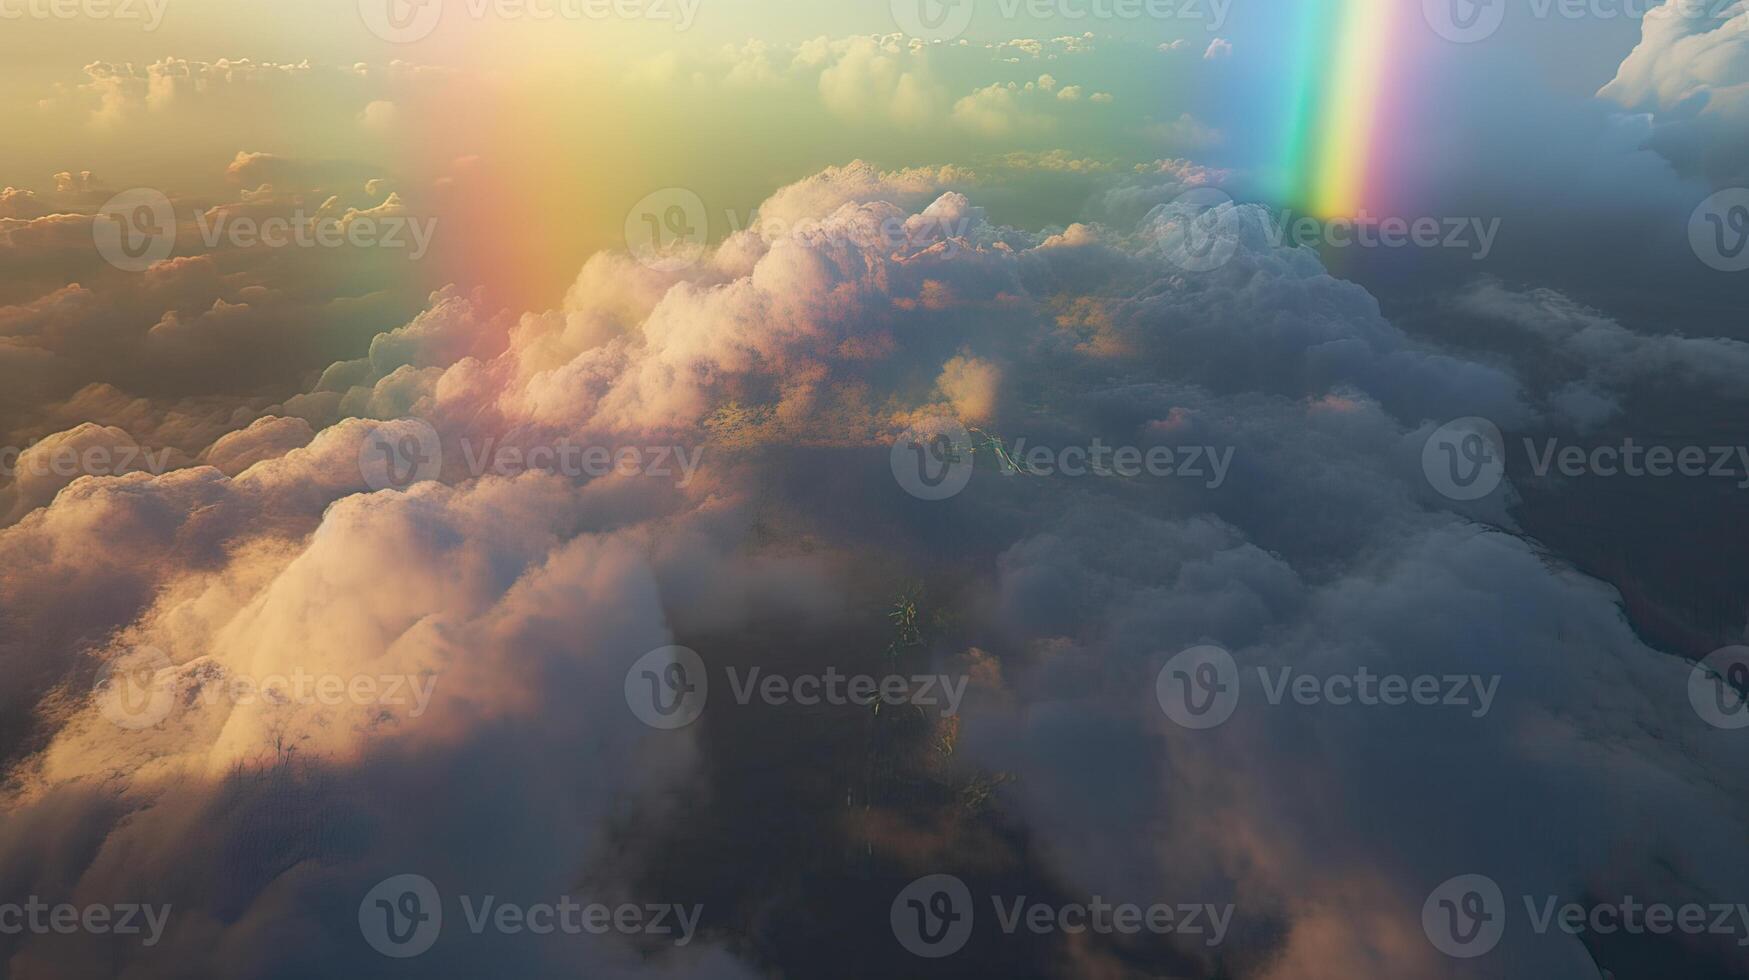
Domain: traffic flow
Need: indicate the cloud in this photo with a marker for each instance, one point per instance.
(1217, 826)
(791, 356)
(174, 354)
(506, 676)
(872, 78)
(379, 114)
(972, 386)
(1691, 71)
(996, 111)
(19, 203)
(858, 182)
(1608, 353)
(122, 92)
(266, 438)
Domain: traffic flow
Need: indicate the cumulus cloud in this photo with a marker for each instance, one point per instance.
(123, 91)
(995, 110)
(265, 438)
(791, 356)
(190, 348)
(1608, 353)
(380, 114)
(873, 78)
(1691, 71)
(242, 538)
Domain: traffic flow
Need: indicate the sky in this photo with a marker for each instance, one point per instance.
(578, 117)
(447, 450)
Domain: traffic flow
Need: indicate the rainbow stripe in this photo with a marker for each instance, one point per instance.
(1340, 66)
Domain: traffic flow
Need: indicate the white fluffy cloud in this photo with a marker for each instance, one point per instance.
(1691, 70)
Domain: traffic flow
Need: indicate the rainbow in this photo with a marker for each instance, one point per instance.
(1341, 69)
